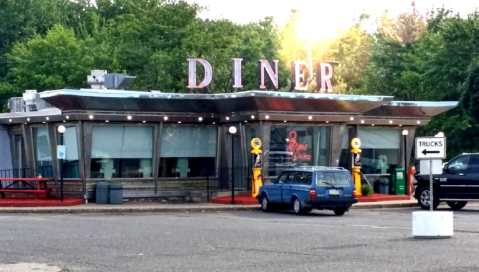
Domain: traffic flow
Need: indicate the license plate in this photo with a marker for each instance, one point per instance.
(333, 192)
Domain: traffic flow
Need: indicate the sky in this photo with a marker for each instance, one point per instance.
(331, 14)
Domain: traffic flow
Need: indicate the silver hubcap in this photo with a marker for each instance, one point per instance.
(264, 203)
(296, 205)
(425, 200)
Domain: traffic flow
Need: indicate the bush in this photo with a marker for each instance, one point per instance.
(366, 190)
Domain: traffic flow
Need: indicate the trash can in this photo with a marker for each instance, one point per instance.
(102, 189)
(398, 181)
(376, 186)
(383, 186)
(116, 193)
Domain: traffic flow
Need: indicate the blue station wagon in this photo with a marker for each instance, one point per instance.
(306, 188)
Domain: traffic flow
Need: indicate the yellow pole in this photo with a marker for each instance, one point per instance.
(357, 180)
(257, 165)
(356, 167)
(257, 182)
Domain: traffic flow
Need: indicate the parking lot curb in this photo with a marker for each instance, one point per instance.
(172, 209)
(385, 205)
(131, 210)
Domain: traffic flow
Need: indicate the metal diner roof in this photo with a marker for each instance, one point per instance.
(112, 100)
(412, 109)
(267, 105)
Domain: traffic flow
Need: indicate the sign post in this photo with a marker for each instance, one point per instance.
(430, 148)
(431, 224)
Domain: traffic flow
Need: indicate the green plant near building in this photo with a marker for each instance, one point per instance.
(366, 190)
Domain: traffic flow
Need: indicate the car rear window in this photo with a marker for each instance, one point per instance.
(337, 179)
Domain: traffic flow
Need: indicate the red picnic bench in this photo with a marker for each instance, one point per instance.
(41, 188)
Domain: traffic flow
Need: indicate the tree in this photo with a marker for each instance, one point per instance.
(23, 19)
(53, 62)
(407, 27)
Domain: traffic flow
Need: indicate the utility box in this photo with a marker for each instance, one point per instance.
(398, 181)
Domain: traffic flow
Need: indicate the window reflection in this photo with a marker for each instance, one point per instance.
(187, 151)
(292, 146)
(120, 151)
(43, 156)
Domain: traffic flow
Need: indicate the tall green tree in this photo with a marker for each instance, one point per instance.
(53, 62)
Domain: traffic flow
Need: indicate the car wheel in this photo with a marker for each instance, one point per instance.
(297, 207)
(265, 205)
(424, 199)
(456, 205)
(339, 211)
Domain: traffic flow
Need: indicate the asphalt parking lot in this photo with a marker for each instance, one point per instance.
(361, 240)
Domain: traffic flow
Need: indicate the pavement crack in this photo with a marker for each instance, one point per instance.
(343, 246)
(267, 251)
(467, 231)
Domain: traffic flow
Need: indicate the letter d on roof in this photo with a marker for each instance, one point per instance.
(192, 73)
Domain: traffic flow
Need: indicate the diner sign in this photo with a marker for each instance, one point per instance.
(324, 73)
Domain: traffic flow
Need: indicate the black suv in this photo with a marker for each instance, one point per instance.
(458, 183)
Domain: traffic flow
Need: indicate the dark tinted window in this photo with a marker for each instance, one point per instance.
(458, 164)
(474, 164)
(304, 178)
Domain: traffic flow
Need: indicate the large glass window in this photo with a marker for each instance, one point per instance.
(187, 151)
(43, 156)
(297, 146)
(380, 150)
(121, 151)
(71, 163)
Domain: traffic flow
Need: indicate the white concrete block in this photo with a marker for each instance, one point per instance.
(436, 224)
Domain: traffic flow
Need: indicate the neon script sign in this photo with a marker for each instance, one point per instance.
(298, 150)
(324, 73)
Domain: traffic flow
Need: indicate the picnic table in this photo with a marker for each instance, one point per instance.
(41, 188)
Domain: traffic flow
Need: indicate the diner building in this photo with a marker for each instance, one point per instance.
(177, 145)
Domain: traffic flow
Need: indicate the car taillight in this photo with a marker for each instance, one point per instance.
(354, 192)
(312, 192)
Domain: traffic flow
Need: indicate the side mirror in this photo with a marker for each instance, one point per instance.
(451, 170)
(274, 181)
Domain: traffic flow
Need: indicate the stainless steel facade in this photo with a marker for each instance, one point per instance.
(342, 114)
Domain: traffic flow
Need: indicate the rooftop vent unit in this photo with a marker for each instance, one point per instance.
(15, 104)
(97, 79)
(117, 81)
(30, 101)
(100, 79)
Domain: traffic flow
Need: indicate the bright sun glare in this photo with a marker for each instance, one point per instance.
(322, 19)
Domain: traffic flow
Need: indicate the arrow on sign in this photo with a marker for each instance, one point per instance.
(425, 152)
